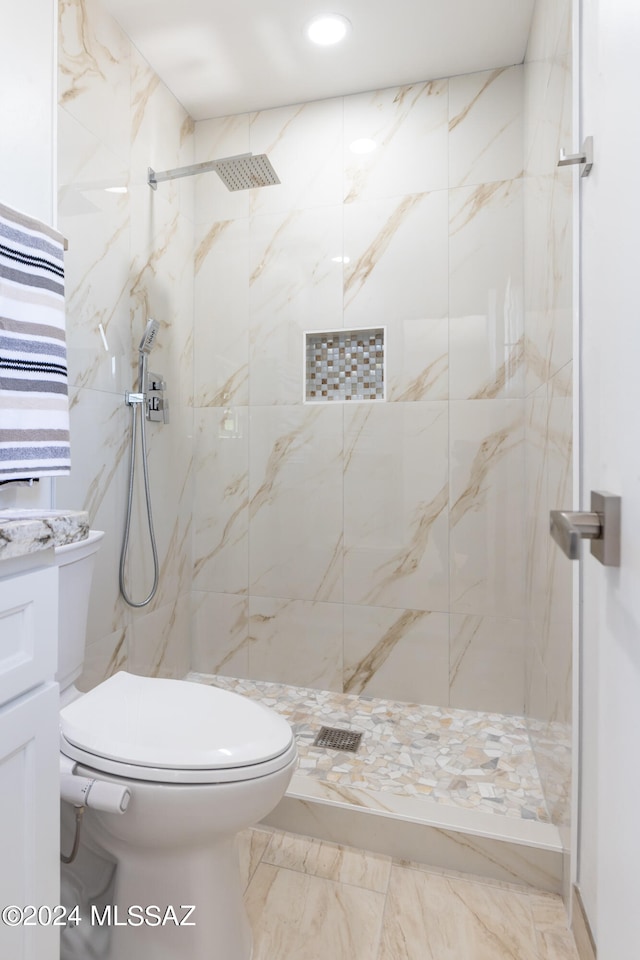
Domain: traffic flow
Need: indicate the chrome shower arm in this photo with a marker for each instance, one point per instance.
(242, 172)
(153, 178)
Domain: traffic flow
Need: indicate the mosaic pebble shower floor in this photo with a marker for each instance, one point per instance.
(479, 761)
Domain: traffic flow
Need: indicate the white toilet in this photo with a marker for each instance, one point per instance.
(200, 764)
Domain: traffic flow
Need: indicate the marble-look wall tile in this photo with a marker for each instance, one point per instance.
(169, 457)
(221, 503)
(487, 664)
(214, 140)
(310, 173)
(486, 292)
(161, 287)
(95, 221)
(423, 236)
(560, 491)
(397, 259)
(103, 658)
(485, 126)
(417, 365)
(537, 540)
(221, 299)
(397, 654)
(408, 126)
(161, 135)
(94, 57)
(295, 284)
(97, 483)
(130, 257)
(296, 641)
(548, 202)
(396, 505)
(161, 283)
(486, 513)
(547, 113)
(295, 502)
(550, 35)
(220, 634)
(549, 321)
(159, 645)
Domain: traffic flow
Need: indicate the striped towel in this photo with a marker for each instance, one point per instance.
(34, 408)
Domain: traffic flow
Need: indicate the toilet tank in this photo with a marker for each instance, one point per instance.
(75, 562)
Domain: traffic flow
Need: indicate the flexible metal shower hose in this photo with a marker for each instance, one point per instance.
(142, 376)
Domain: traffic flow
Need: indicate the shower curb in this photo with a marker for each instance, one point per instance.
(413, 830)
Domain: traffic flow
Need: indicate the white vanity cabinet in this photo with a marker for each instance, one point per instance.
(29, 746)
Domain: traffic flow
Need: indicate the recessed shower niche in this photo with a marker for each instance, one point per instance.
(344, 365)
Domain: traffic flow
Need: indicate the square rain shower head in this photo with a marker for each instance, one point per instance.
(246, 172)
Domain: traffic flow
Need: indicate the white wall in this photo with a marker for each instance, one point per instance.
(27, 121)
(27, 80)
(610, 199)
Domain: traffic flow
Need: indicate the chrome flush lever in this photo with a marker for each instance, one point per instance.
(601, 526)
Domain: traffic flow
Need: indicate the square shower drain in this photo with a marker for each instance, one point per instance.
(336, 739)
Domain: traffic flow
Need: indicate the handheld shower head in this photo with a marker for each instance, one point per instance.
(149, 337)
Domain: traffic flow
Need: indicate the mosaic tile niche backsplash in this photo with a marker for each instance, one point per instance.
(344, 365)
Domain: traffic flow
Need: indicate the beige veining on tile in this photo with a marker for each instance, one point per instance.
(295, 916)
(431, 917)
(312, 900)
(251, 848)
(329, 860)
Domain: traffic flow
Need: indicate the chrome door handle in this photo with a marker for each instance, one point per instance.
(569, 528)
(601, 526)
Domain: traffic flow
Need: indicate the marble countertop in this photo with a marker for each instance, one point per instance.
(27, 531)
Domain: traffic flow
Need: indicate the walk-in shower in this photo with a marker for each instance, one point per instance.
(137, 401)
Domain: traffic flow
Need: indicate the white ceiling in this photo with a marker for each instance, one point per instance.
(221, 58)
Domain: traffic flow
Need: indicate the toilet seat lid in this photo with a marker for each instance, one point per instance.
(173, 725)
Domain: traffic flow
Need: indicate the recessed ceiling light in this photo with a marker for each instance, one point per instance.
(364, 145)
(328, 29)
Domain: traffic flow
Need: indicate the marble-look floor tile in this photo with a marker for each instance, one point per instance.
(431, 917)
(557, 945)
(294, 915)
(329, 860)
(555, 940)
(252, 844)
(312, 900)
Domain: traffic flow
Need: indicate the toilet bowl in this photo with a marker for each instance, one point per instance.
(199, 764)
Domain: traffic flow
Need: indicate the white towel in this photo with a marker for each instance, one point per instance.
(34, 408)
